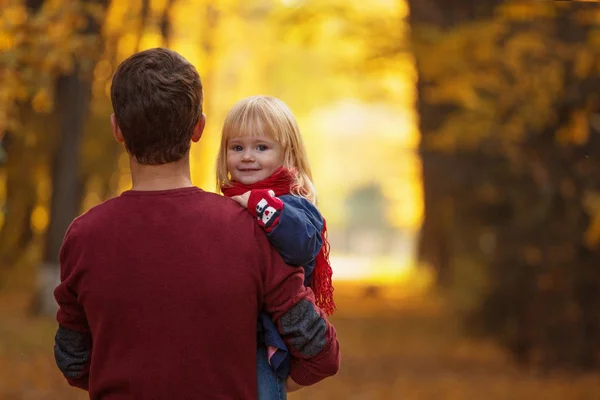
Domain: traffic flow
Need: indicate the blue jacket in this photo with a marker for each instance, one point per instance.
(297, 237)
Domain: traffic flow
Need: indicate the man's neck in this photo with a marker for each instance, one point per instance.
(173, 175)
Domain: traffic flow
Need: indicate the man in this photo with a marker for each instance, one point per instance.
(161, 286)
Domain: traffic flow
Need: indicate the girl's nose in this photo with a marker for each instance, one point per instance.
(247, 156)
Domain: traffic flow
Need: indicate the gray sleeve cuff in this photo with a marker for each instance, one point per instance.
(304, 328)
(72, 352)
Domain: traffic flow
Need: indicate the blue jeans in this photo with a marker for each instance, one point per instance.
(270, 386)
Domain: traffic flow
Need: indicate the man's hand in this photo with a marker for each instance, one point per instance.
(243, 199)
(291, 386)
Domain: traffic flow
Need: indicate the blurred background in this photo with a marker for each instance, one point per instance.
(455, 148)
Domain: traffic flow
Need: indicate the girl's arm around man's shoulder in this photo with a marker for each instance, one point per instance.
(293, 225)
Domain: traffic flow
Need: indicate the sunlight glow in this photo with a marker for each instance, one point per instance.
(379, 271)
(39, 219)
(291, 3)
(353, 139)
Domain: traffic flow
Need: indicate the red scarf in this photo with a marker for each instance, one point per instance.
(281, 182)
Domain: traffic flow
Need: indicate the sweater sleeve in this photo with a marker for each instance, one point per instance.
(311, 339)
(296, 228)
(73, 342)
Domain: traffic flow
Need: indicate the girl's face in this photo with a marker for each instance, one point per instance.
(251, 159)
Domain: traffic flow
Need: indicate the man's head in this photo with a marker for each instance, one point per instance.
(157, 101)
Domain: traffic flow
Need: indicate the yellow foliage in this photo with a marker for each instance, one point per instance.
(594, 38)
(502, 83)
(6, 41)
(454, 90)
(42, 102)
(39, 219)
(239, 49)
(151, 39)
(584, 61)
(14, 15)
(103, 70)
(38, 48)
(588, 16)
(576, 131)
(591, 203)
(158, 5)
(526, 10)
(116, 18)
(580, 127)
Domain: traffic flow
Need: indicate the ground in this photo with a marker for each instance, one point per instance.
(393, 346)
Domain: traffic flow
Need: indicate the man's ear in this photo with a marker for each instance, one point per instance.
(199, 128)
(116, 131)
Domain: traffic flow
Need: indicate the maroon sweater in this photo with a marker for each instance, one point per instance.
(159, 298)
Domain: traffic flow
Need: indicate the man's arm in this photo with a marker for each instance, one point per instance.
(291, 386)
(311, 339)
(73, 342)
(72, 351)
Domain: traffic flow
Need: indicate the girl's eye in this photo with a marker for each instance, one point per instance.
(262, 147)
(236, 148)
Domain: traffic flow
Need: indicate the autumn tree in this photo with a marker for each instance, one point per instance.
(49, 69)
(40, 68)
(507, 103)
(443, 179)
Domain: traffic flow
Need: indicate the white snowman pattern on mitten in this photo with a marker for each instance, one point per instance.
(266, 213)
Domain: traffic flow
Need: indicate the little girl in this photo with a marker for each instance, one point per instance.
(262, 165)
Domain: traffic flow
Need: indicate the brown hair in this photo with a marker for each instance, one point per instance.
(271, 117)
(157, 100)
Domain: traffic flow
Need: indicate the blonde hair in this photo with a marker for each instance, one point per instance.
(268, 116)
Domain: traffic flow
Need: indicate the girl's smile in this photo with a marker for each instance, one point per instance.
(251, 159)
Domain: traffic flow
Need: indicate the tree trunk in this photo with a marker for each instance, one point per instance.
(165, 23)
(539, 197)
(544, 298)
(72, 99)
(436, 239)
(143, 22)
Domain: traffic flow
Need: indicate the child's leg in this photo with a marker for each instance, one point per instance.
(270, 387)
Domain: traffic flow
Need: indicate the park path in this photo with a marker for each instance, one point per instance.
(393, 347)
